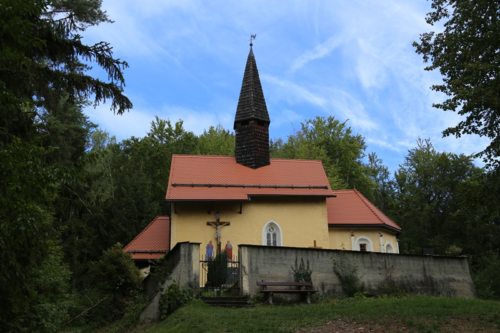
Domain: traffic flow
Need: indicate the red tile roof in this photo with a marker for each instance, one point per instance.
(351, 208)
(153, 242)
(221, 178)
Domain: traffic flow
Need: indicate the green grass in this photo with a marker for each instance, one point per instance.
(418, 314)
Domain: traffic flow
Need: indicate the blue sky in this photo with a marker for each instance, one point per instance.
(349, 59)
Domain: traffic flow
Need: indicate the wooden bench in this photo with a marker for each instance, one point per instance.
(269, 288)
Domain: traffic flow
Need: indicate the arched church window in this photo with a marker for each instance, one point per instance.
(389, 249)
(272, 234)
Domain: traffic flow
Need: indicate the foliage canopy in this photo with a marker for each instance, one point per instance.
(467, 55)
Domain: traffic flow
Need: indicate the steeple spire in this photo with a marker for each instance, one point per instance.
(251, 123)
(251, 104)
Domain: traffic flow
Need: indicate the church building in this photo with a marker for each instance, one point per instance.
(251, 198)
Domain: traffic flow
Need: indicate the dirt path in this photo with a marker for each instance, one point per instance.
(449, 325)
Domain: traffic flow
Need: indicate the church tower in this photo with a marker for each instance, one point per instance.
(251, 123)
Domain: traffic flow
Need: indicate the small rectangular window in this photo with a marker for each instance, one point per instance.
(362, 247)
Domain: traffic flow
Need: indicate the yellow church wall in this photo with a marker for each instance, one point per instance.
(344, 239)
(301, 223)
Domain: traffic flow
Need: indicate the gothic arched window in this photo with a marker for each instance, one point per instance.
(271, 235)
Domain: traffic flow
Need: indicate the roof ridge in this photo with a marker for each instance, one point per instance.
(211, 156)
(232, 157)
(144, 230)
(294, 159)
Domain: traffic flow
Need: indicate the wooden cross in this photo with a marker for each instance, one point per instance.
(218, 224)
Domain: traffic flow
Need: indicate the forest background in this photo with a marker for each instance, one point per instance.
(69, 193)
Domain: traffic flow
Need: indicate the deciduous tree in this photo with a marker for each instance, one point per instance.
(467, 55)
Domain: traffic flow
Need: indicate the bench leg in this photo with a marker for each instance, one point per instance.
(308, 298)
(270, 298)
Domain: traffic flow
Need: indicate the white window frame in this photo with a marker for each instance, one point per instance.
(393, 250)
(365, 239)
(279, 238)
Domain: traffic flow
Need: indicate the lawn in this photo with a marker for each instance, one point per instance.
(391, 314)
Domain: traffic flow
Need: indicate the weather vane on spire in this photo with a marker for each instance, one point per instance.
(252, 38)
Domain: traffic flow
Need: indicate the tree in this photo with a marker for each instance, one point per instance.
(431, 204)
(44, 82)
(216, 141)
(467, 55)
(332, 142)
(383, 191)
(120, 189)
(42, 55)
(27, 192)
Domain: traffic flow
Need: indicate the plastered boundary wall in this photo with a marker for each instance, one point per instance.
(429, 275)
(181, 266)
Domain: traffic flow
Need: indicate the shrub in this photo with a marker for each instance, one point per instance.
(301, 272)
(173, 298)
(347, 273)
(486, 278)
(115, 278)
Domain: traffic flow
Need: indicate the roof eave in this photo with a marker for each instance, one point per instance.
(249, 197)
(364, 226)
(293, 195)
(206, 200)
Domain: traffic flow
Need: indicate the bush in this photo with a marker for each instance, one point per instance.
(173, 298)
(348, 276)
(116, 280)
(486, 278)
(301, 272)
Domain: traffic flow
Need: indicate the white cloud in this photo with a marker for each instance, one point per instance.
(320, 51)
(351, 59)
(386, 144)
(132, 123)
(295, 93)
(195, 121)
(137, 122)
(331, 101)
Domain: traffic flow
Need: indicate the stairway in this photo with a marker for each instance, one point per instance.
(228, 301)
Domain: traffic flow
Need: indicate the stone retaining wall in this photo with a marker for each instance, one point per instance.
(378, 272)
(181, 266)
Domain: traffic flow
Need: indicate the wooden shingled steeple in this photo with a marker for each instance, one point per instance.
(251, 123)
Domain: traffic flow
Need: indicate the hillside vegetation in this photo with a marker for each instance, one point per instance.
(404, 314)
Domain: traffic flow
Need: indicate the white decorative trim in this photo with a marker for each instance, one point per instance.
(369, 248)
(264, 236)
(381, 241)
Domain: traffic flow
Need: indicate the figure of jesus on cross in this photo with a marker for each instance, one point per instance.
(218, 224)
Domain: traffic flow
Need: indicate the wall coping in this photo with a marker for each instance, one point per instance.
(350, 251)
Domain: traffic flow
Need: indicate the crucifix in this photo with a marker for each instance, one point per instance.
(218, 224)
